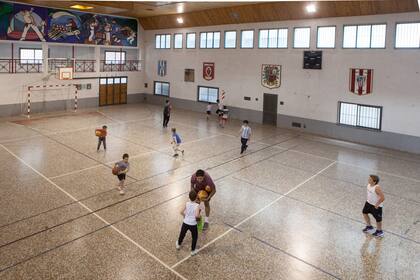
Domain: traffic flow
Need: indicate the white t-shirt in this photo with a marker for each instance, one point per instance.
(209, 108)
(191, 210)
(372, 196)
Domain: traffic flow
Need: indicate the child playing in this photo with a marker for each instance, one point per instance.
(123, 167)
(176, 142)
(208, 110)
(245, 135)
(191, 214)
(101, 133)
(373, 205)
(225, 115)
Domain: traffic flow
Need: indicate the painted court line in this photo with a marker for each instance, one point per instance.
(96, 215)
(360, 167)
(256, 213)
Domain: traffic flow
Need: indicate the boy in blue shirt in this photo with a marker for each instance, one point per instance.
(176, 143)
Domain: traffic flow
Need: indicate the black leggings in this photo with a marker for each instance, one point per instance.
(166, 120)
(101, 140)
(194, 233)
(244, 145)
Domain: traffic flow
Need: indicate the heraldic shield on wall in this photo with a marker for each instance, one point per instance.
(208, 71)
(271, 75)
(32, 23)
(361, 81)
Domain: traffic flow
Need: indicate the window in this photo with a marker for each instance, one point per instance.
(161, 88)
(209, 40)
(178, 41)
(230, 40)
(407, 35)
(325, 37)
(163, 41)
(208, 94)
(190, 40)
(247, 39)
(364, 36)
(30, 56)
(112, 57)
(302, 37)
(358, 115)
(273, 38)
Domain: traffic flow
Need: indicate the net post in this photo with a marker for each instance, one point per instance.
(28, 106)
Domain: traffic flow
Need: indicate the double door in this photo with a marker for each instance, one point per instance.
(112, 91)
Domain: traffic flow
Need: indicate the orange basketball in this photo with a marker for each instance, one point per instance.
(208, 189)
(202, 195)
(115, 170)
(98, 132)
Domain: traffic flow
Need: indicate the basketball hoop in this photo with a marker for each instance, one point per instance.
(65, 73)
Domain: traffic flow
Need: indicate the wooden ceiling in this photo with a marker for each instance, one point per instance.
(160, 15)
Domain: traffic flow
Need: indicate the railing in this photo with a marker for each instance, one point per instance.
(55, 63)
(120, 66)
(21, 66)
(84, 65)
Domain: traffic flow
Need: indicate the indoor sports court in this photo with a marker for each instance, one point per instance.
(210, 140)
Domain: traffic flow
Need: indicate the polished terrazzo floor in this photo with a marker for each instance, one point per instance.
(290, 208)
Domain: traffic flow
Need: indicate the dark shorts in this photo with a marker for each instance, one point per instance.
(208, 112)
(370, 209)
(121, 176)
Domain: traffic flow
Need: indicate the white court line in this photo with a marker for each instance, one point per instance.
(95, 214)
(360, 167)
(256, 213)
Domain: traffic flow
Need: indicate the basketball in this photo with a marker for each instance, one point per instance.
(202, 195)
(208, 189)
(115, 170)
(98, 132)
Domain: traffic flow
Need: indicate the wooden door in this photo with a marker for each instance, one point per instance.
(110, 91)
(123, 88)
(117, 91)
(102, 92)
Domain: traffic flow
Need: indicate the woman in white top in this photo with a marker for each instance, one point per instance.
(191, 214)
(373, 205)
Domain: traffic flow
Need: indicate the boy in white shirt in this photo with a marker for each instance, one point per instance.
(176, 143)
(191, 214)
(373, 205)
(245, 135)
(208, 110)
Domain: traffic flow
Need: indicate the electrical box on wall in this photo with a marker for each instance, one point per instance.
(247, 98)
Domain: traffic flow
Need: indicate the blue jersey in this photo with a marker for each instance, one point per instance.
(176, 138)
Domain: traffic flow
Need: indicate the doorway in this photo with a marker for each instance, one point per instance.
(270, 109)
(112, 91)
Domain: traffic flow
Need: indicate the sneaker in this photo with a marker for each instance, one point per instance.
(175, 155)
(378, 233)
(122, 192)
(177, 246)
(206, 226)
(195, 252)
(367, 229)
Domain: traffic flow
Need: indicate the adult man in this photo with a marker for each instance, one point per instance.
(200, 181)
(166, 113)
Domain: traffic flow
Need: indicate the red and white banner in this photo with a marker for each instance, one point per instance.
(361, 81)
(208, 71)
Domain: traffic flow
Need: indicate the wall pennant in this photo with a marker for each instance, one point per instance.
(162, 68)
(361, 81)
(271, 76)
(208, 71)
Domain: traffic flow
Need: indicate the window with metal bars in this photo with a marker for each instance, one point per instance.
(358, 115)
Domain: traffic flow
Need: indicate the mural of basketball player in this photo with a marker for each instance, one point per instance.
(129, 33)
(107, 33)
(92, 26)
(30, 23)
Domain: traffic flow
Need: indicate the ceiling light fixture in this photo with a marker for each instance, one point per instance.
(311, 8)
(81, 7)
(180, 20)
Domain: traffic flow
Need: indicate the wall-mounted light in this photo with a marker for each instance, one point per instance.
(180, 20)
(81, 7)
(311, 8)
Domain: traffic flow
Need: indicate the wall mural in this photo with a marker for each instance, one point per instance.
(31, 23)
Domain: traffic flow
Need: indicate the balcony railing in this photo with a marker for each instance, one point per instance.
(21, 66)
(120, 66)
(84, 65)
(79, 65)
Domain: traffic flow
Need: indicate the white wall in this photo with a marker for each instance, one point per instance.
(309, 94)
(13, 89)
